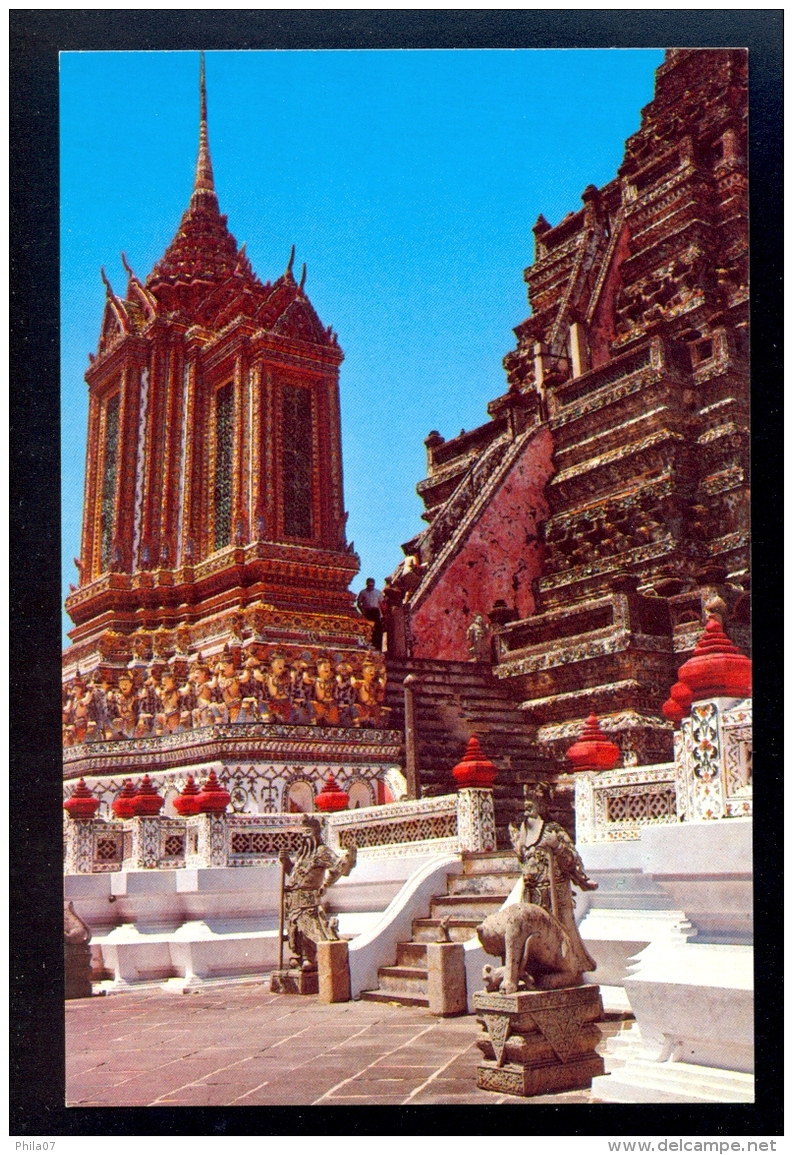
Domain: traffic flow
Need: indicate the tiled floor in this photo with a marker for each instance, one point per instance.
(244, 1046)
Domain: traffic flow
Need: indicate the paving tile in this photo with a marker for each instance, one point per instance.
(202, 1096)
(365, 1084)
(241, 1044)
(84, 1059)
(360, 1100)
(562, 1097)
(431, 1098)
(141, 1062)
(285, 1096)
(386, 1069)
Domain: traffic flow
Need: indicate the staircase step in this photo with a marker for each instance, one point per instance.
(673, 1083)
(482, 889)
(687, 1077)
(411, 954)
(477, 906)
(460, 929)
(399, 980)
(489, 861)
(386, 997)
(496, 883)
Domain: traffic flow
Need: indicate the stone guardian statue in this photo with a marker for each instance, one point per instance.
(551, 866)
(314, 868)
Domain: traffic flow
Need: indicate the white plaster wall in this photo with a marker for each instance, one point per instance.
(706, 870)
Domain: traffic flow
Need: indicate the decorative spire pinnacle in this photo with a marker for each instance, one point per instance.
(593, 750)
(204, 177)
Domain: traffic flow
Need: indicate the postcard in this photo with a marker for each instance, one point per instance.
(406, 574)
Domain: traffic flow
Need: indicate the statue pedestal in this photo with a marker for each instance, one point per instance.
(333, 966)
(294, 982)
(539, 1042)
(446, 978)
(77, 965)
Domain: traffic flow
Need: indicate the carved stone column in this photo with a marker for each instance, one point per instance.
(411, 749)
(476, 819)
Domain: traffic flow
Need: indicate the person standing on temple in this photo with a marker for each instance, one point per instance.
(370, 604)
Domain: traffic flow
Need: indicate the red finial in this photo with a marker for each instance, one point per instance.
(186, 803)
(593, 750)
(147, 801)
(124, 802)
(213, 798)
(81, 803)
(717, 668)
(331, 797)
(678, 703)
(475, 768)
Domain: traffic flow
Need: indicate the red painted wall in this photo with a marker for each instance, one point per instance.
(499, 559)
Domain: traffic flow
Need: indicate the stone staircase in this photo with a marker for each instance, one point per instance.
(481, 889)
(453, 700)
(635, 1078)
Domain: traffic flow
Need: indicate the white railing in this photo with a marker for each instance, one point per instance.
(710, 779)
(614, 805)
(449, 824)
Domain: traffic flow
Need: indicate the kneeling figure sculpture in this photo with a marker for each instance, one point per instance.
(534, 949)
(539, 1017)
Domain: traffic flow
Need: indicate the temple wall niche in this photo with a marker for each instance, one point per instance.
(500, 557)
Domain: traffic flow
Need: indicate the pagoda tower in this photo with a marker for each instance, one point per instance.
(213, 485)
(214, 631)
(603, 510)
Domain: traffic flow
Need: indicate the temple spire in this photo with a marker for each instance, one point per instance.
(204, 187)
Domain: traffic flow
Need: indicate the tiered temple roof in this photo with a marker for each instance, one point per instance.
(213, 471)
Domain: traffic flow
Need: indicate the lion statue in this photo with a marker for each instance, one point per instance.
(533, 947)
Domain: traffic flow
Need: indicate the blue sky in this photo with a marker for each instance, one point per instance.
(409, 182)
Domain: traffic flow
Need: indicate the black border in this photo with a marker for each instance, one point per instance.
(36, 37)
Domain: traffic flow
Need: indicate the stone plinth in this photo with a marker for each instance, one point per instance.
(694, 1003)
(76, 955)
(77, 970)
(446, 988)
(294, 982)
(539, 1042)
(333, 966)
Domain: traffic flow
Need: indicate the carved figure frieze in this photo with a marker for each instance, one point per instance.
(255, 685)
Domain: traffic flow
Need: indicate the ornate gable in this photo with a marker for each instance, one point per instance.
(115, 325)
(300, 321)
